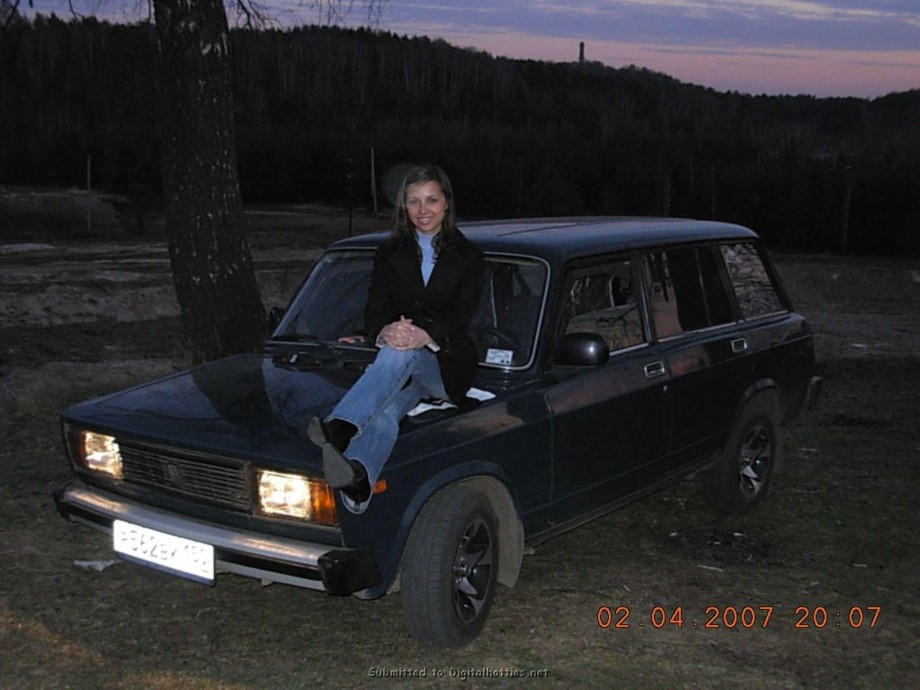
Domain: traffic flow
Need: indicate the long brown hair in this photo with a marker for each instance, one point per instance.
(403, 230)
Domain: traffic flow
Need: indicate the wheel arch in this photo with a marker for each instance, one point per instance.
(733, 484)
(760, 387)
(510, 526)
(763, 392)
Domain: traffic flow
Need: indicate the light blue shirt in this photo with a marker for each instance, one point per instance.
(428, 257)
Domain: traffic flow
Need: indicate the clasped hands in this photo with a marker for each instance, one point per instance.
(403, 335)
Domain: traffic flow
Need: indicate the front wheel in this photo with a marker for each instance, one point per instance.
(739, 480)
(450, 568)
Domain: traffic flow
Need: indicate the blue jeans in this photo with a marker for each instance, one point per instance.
(391, 386)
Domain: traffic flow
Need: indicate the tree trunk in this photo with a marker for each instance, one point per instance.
(211, 261)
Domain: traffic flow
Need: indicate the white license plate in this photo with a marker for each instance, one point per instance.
(176, 555)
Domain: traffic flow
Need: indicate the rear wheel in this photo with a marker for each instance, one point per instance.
(739, 480)
(450, 567)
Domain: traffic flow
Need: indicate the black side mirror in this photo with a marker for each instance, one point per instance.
(582, 350)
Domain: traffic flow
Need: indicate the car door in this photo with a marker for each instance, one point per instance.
(611, 422)
(708, 357)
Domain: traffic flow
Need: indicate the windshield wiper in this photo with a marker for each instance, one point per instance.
(307, 338)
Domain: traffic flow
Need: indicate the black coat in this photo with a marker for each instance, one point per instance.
(443, 308)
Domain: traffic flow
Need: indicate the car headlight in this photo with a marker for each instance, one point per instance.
(100, 453)
(295, 496)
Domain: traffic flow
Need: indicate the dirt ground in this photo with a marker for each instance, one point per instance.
(816, 588)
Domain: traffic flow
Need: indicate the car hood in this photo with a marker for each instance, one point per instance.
(248, 406)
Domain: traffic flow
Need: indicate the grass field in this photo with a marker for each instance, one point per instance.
(816, 588)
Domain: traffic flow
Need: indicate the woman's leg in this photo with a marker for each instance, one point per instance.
(378, 386)
(378, 401)
(372, 445)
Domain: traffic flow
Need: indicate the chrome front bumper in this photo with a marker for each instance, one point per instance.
(251, 554)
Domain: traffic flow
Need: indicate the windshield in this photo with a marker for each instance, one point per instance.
(330, 306)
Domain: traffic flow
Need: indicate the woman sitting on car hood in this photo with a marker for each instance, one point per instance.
(425, 287)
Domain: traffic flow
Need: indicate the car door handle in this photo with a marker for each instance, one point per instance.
(739, 345)
(654, 370)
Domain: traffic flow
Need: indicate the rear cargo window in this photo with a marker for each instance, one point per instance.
(752, 283)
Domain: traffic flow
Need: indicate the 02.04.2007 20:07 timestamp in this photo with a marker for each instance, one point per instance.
(732, 617)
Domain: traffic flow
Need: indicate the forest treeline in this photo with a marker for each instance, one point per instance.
(519, 138)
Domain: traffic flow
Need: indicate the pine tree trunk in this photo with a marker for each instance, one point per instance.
(211, 261)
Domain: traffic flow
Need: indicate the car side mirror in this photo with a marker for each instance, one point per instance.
(582, 350)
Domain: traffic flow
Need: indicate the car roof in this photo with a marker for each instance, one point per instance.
(562, 239)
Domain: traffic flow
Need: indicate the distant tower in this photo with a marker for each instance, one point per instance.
(581, 52)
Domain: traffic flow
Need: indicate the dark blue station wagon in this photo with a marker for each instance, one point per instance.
(617, 356)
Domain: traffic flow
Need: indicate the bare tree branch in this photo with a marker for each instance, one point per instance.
(336, 11)
(73, 10)
(254, 14)
(375, 11)
(9, 10)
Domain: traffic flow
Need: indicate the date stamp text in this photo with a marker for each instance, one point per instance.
(735, 617)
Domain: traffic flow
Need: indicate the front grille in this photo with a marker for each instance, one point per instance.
(214, 479)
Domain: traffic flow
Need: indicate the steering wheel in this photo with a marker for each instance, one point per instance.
(500, 336)
(620, 317)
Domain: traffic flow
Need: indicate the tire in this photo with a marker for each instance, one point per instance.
(450, 567)
(739, 479)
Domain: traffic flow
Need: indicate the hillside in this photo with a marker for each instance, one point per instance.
(520, 138)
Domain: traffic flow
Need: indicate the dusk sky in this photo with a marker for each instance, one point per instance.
(863, 48)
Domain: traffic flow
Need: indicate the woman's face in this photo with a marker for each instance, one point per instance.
(426, 206)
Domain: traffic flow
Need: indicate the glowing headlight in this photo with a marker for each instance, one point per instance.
(100, 453)
(294, 496)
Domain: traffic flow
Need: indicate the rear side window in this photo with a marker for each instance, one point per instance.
(604, 300)
(686, 291)
(751, 282)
